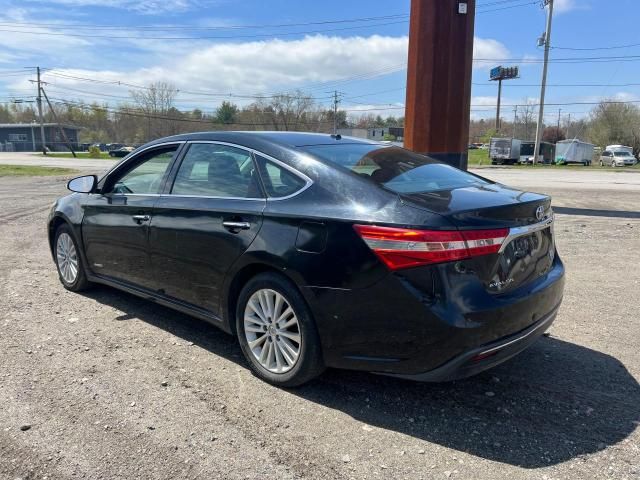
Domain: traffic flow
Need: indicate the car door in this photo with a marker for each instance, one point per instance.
(207, 217)
(115, 225)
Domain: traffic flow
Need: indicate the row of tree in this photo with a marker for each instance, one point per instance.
(152, 113)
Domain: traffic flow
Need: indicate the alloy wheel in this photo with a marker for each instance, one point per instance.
(272, 331)
(67, 258)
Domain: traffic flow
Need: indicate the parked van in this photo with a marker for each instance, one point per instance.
(617, 156)
(619, 148)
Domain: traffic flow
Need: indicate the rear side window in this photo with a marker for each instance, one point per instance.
(395, 168)
(277, 180)
(212, 170)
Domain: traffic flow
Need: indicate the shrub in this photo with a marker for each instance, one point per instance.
(94, 152)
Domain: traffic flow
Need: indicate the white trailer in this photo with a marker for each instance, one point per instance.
(574, 151)
(504, 150)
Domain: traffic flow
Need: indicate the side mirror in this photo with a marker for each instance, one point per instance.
(84, 184)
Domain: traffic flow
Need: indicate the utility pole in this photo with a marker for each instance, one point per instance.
(39, 101)
(498, 109)
(336, 100)
(60, 127)
(439, 66)
(547, 46)
(569, 126)
(559, 118)
(515, 119)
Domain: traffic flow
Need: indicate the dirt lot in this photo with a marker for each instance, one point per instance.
(114, 387)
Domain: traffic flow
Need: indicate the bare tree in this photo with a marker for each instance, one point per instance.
(525, 128)
(157, 104)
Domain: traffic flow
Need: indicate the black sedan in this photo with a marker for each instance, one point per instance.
(320, 251)
(121, 152)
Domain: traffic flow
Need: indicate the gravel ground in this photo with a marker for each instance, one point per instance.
(105, 385)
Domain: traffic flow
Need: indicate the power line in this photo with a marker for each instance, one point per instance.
(76, 27)
(212, 28)
(177, 90)
(164, 28)
(614, 47)
(486, 84)
(174, 119)
(215, 37)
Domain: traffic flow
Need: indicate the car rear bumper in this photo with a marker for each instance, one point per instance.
(427, 323)
(486, 356)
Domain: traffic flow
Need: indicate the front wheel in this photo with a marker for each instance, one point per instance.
(277, 333)
(67, 255)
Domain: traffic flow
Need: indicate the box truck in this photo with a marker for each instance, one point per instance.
(504, 151)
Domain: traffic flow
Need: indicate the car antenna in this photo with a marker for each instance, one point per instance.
(337, 136)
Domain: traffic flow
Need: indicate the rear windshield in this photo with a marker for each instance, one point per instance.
(395, 168)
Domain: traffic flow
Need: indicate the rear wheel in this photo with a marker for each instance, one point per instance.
(67, 255)
(277, 333)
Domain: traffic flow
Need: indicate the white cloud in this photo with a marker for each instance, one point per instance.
(562, 6)
(315, 64)
(487, 48)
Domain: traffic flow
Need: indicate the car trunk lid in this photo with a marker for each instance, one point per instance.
(528, 250)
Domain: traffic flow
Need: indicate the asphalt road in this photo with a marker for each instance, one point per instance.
(113, 387)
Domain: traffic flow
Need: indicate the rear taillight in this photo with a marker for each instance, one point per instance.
(402, 248)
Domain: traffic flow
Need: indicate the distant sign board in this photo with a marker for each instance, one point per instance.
(503, 73)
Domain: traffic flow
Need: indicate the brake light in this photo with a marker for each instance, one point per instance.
(402, 248)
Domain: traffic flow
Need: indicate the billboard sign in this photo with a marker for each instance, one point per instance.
(503, 73)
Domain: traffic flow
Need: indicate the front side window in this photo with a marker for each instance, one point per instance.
(213, 170)
(395, 168)
(146, 177)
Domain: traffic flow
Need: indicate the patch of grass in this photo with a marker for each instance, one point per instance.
(479, 157)
(103, 155)
(32, 171)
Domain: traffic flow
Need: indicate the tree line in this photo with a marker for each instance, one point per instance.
(153, 113)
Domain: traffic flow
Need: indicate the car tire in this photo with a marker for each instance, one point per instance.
(269, 341)
(68, 260)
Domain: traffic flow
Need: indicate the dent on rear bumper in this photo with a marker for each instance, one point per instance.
(399, 327)
(487, 356)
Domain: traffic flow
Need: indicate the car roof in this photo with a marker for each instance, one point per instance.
(288, 139)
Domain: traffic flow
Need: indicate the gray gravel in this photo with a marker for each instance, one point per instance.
(114, 387)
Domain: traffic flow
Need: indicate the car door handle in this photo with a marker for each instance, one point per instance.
(233, 225)
(141, 218)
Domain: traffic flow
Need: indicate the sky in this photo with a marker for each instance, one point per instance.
(235, 50)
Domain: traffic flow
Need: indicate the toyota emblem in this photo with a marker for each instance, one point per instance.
(540, 212)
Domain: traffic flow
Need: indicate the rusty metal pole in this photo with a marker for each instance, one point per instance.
(439, 79)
